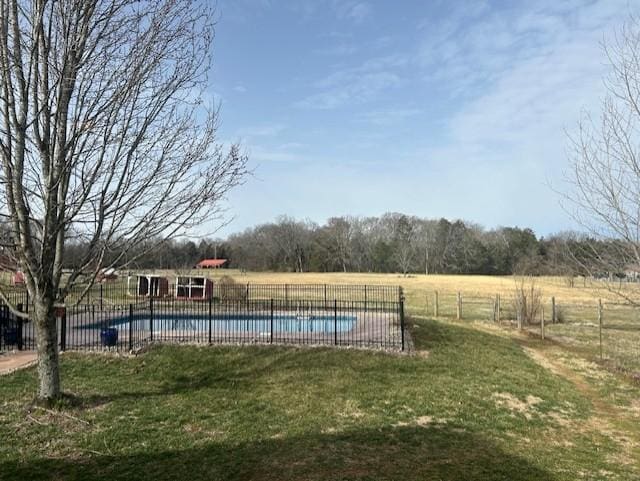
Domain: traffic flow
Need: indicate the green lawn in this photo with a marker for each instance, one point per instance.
(472, 405)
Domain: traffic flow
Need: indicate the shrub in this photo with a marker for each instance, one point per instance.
(527, 300)
(230, 290)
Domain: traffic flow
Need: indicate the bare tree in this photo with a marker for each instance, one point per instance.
(426, 236)
(339, 232)
(404, 242)
(103, 139)
(604, 174)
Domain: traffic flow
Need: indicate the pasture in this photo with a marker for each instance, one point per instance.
(476, 400)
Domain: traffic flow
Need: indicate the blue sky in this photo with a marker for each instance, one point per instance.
(432, 108)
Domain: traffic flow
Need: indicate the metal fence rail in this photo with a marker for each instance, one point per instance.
(357, 316)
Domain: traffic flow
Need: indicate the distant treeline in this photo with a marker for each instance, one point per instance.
(389, 243)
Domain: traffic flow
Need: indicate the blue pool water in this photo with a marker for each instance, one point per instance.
(234, 323)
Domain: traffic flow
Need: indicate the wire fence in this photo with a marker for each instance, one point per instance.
(116, 319)
(602, 330)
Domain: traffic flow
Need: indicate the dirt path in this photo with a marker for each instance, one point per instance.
(13, 361)
(612, 417)
(614, 400)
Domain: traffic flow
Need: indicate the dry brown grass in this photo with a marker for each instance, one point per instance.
(470, 285)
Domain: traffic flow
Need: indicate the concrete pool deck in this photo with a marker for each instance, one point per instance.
(12, 361)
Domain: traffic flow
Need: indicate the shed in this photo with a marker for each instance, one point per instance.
(211, 263)
(17, 279)
(632, 272)
(107, 275)
(148, 285)
(193, 287)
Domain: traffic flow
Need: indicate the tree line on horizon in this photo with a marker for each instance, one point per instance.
(391, 243)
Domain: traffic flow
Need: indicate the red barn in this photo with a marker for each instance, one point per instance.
(17, 279)
(211, 263)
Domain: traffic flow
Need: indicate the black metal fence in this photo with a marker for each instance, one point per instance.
(108, 317)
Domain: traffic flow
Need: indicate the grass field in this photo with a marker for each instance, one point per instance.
(472, 405)
(475, 401)
(418, 285)
(419, 288)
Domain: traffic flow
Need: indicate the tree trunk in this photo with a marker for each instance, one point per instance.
(47, 340)
(426, 261)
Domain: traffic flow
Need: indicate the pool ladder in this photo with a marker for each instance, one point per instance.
(301, 316)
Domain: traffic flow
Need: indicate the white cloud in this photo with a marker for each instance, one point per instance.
(264, 130)
(354, 11)
(340, 50)
(525, 78)
(280, 154)
(353, 88)
(505, 84)
(386, 117)
(356, 84)
(357, 11)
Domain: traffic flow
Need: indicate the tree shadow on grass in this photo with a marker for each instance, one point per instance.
(389, 453)
(428, 333)
(226, 373)
(256, 363)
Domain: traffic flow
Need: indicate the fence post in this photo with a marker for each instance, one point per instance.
(553, 310)
(459, 307)
(101, 296)
(542, 323)
(151, 318)
(436, 307)
(335, 322)
(19, 327)
(365, 297)
(210, 306)
(519, 315)
(271, 330)
(151, 322)
(130, 327)
(402, 319)
(498, 308)
(495, 305)
(600, 325)
(19, 339)
(63, 330)
(325, 296)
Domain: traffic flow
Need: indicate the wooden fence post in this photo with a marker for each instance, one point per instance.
(435, 304)
(495, 306)
(542, 323)
(553, 310)
(459, 307)
(498, 308)
(600, 325)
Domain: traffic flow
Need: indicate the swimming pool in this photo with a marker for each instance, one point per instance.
(232, 323)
